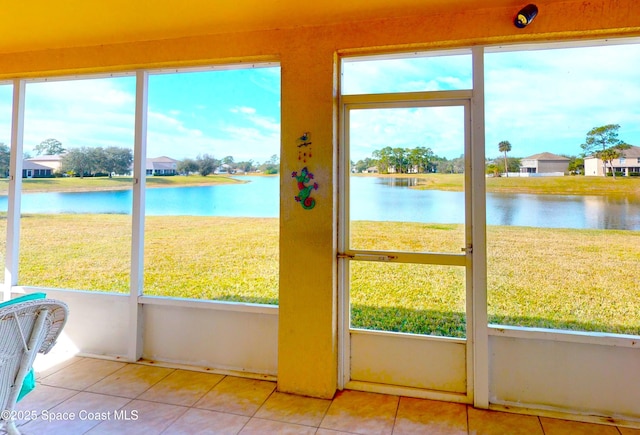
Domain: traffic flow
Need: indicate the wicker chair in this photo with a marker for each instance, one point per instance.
(26, 328)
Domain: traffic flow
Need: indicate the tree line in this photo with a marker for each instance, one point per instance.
(205, 164)
(99, 161)
(601, 142)
(398, 160)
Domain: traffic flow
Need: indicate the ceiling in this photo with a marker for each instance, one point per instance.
(29, 25)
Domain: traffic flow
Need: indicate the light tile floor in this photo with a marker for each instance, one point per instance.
(92, 396)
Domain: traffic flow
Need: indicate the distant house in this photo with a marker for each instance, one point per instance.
(628, 163)
(544, 163)
(162, 166)
(35, 170)
(53, 162)
(223, 169)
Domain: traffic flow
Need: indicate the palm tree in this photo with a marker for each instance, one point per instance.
(504, 147)
(609, 154)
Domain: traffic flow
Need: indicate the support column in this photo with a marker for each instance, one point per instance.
(307, 334)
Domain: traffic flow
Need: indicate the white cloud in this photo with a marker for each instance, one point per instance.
(245, 136)
(96, 112)
(101, 113)
(160, 123)
(245, 110)
(548, 100)
(543, 100)
(407, 75)
(438, 128)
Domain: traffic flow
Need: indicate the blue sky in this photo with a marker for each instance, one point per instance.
(220, 112)
(539, 100)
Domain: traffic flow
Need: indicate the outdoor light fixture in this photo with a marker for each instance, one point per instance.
(526, 16)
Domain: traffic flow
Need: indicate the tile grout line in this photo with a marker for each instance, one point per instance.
(395, 416)
(258, 409)
(123, 405)
(123, 397)
(155, 383)
(192, 406)
(80, 359)
(76, 392)
(186, 409)
(88, 386)
(208, 391)
(324, 415)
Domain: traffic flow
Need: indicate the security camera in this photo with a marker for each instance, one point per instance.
(525, 16)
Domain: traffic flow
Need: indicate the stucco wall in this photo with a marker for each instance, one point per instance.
(307, 341)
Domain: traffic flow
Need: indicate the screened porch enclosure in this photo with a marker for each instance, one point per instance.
(316, 298)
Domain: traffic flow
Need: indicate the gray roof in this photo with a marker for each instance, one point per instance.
(163, 162)
(630, 153)
(634, 151)
(26, 164)
(546, 156)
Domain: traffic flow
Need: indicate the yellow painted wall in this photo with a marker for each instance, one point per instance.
(307, 362)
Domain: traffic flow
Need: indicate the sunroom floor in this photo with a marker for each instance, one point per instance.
(95, 396)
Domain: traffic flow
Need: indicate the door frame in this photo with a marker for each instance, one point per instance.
(465, 99)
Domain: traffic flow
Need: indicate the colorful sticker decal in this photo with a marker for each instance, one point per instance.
(304, 197)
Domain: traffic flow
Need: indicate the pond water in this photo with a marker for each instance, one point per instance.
(392, 199)
(371, 199)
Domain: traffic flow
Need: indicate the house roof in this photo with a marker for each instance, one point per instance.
(162, 162)
(46, 158)
(27, 164)
(48, 24)
(629, 153)
(632, 152)
(546, 156)
(161, 159)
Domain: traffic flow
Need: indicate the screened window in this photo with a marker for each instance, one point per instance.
(6, 91)
(212, 198)
(76, 188)
(407, 73)
(563, 241)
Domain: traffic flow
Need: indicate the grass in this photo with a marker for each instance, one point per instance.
(569, 185)
(187, 257)
(556, 278)
(75, 184)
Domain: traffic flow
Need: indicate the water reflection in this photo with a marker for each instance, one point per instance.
(391, 199)
(371, 198)
(397, 182)
(563, 211)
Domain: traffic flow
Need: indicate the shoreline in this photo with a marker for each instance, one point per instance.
(219, 181)
(578, 185)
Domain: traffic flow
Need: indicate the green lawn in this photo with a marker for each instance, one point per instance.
(568, 185)
(557, 278)
(75, 184)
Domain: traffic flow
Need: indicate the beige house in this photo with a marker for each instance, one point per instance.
(543, 163)
(35, 170)
(54, 162)
(628, 163)
(162, 165)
